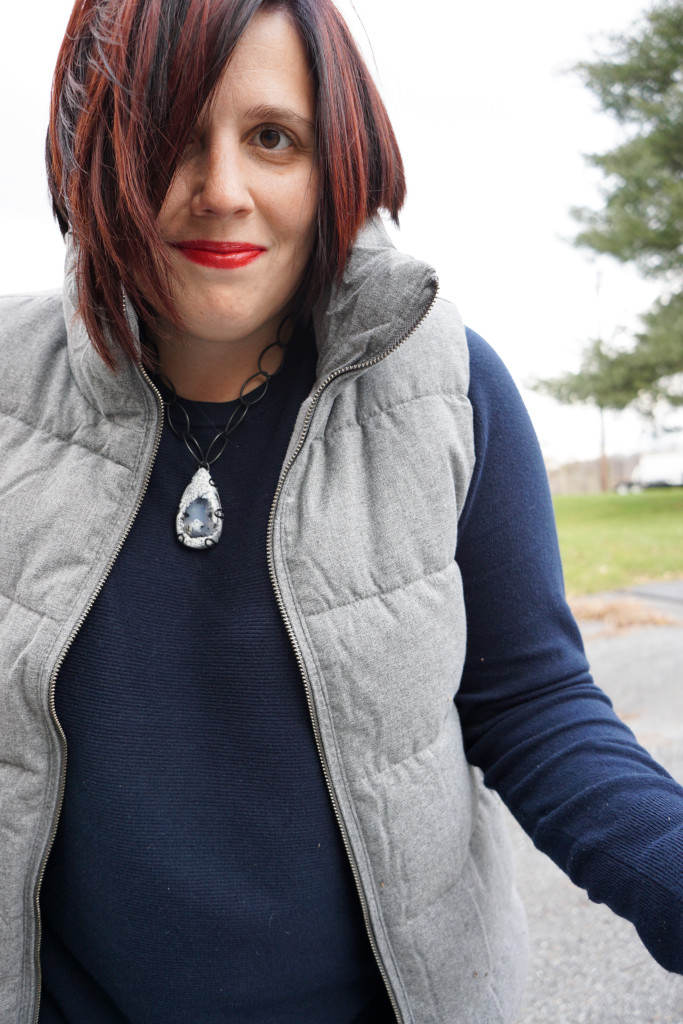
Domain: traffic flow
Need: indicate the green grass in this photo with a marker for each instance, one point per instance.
(609, 541)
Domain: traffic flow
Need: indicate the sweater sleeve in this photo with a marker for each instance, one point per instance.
(546, 738)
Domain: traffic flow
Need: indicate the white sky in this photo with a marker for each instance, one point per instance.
(492, 129)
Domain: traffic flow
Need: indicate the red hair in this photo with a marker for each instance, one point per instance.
(132, 77)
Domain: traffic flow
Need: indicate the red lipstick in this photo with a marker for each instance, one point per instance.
(220, 255)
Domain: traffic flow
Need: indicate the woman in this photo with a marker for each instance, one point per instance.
(245, 453)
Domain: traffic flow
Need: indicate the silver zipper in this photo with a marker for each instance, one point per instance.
(53, 680)
(352, 367)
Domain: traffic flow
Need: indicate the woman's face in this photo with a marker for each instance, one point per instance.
(239, 214)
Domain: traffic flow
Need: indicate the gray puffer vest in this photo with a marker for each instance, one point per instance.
(361, 543)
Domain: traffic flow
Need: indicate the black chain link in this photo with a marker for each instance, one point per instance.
(246, 400)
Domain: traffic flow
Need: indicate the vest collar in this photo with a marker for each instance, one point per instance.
(380, 299)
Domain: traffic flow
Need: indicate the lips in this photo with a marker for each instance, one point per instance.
(219, 255)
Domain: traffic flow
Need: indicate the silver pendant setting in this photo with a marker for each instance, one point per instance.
(199, 522)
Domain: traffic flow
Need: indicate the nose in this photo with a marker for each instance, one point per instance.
(222, 186)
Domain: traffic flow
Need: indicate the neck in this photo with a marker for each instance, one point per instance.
(204, 371)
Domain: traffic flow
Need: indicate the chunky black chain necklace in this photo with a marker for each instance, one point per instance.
(199, 522)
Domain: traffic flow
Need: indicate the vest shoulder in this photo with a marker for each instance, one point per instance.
(438, 349)
(31, 323)
(446, 323)
(33, 350)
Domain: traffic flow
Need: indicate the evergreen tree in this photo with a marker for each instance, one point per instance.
(641, 84)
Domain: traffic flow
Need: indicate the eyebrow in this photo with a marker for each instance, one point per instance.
(264, 112)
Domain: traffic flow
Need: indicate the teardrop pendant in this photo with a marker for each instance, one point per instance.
(199, 522)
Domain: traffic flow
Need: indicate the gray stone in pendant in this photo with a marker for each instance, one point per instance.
(199, 522)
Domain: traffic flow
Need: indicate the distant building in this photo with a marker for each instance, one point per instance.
(623, 473)
(585, 477)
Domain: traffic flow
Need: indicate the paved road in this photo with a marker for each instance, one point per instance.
(588, 966)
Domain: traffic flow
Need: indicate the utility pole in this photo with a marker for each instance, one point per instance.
(601, 410)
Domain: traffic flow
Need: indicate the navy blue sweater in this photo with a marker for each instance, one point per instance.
(198, 873)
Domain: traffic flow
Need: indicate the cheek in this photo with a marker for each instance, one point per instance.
(175, 202)
(293, 208)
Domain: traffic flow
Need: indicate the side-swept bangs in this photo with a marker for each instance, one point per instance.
(132, 78)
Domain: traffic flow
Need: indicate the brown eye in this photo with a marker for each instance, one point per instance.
(273, 139)
(270, 138)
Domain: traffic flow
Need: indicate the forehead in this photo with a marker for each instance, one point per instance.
(269, 65)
